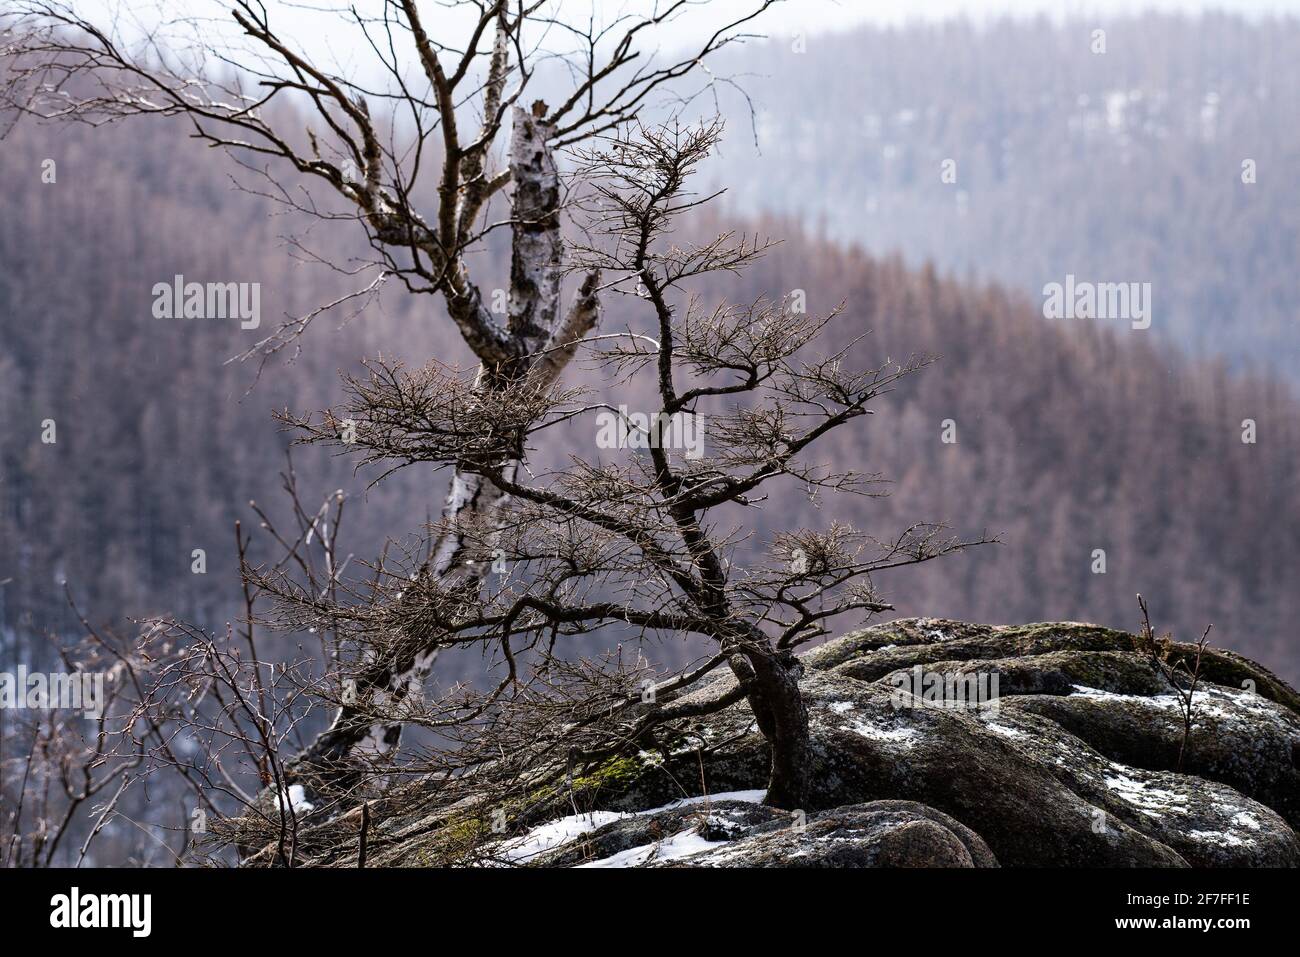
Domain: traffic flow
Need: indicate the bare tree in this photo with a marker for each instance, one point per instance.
(644, 539)
(1179, 666)
(70, 761)
(631, 538)
(439, 110)
(205, 718)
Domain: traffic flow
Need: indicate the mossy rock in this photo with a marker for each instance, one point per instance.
(1074, 765)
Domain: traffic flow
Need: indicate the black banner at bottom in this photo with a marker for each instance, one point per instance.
(230, 907)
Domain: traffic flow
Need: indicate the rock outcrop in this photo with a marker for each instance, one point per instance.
(1073, 763)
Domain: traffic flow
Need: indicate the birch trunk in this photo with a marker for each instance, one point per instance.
(534, 306)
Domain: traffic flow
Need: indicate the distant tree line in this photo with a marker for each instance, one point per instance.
(1013, 151)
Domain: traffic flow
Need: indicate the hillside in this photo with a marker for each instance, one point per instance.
(1067, 440)
(1120, 166)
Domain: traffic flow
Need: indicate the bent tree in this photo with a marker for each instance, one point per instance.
(409, 152)
(648, 536)
(531, 552)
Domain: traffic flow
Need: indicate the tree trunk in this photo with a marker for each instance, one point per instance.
(389, 684)
(536, 271)
(782, 717)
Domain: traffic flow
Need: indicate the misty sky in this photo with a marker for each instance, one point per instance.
(834, 14)
(311, 23)
(331, 40)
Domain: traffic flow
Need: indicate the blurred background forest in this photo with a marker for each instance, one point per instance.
(1072, 436)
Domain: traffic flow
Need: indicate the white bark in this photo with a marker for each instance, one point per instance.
(534, 304)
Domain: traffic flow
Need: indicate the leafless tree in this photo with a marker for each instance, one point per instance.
(71, 761)
(205, 718)
(632, 536)
(646, 537)
(435, 114)
(1180, 667)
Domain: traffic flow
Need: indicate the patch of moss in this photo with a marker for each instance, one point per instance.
(1040, 637)
(614, 774)
(465, 831)
(452, 842)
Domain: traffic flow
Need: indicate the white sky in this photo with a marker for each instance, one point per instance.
(836, 14)
(313, 26)
(815, 15)
(787, 16)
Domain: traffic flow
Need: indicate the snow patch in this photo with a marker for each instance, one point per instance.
(546, 837)
(1147, 798)
(1225, 838)
(681, 844)
(296, 800)
(1005, 731)
(553, 834)
(860, 726)
(1224, 704)
(1245, 819)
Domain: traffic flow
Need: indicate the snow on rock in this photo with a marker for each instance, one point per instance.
(1146, 797)
(296, 800)
(681, 844)
(553, 834)
(899, 736)
(546, 837)
(1004, 730)
(1246, 819)
(1225, 838)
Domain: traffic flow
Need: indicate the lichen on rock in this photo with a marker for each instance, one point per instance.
(1075, 763)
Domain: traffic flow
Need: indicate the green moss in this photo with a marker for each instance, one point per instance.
(453, 842)
(611, 776)
(614, 773)
(465, 831)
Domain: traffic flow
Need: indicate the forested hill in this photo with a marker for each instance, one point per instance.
(1119, 166)
(1069, 437)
